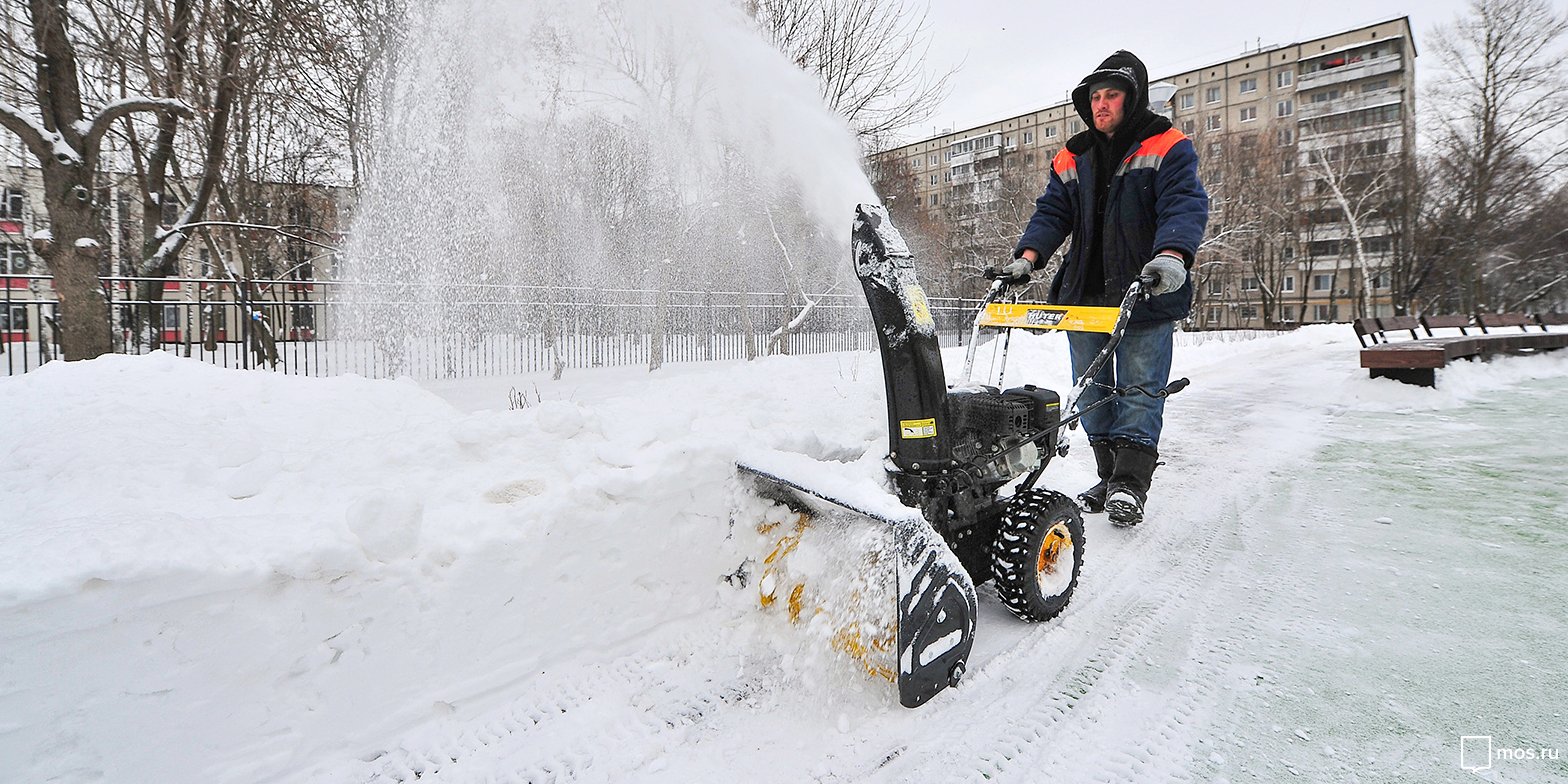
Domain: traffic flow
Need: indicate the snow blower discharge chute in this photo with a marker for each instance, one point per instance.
(958, 512)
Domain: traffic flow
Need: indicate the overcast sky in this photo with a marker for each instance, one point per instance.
(1015, 56)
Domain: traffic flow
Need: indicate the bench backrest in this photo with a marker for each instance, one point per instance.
(1365, 328)
(1551, 319)
(1497, 320)
(1396, 323)
(1460, 322)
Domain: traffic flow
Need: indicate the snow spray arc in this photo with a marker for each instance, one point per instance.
(528, 150)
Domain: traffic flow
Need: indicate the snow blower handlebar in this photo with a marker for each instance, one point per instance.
(1137, 291)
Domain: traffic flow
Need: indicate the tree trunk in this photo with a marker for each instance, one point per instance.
(73, 255)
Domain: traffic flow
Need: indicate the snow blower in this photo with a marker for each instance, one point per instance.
(958, 513)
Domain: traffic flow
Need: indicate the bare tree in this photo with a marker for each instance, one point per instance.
(869, 58)
(1499, 145)
(67, 138)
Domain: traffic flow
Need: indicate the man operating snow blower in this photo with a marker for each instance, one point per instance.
(1128, 192)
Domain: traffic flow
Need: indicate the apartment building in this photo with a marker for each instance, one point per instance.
(1302, 148)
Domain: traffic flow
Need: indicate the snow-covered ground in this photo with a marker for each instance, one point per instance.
(222, 576)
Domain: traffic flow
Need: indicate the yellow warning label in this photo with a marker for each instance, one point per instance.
(917, 305)
(918, 428)
(1070, 318)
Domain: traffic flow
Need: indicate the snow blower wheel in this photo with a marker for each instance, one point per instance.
(1037, 554)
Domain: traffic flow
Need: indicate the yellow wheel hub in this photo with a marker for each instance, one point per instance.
(1056, 541)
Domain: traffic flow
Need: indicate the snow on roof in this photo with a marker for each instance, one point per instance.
(1349, 47)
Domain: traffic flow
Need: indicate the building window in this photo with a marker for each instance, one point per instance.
(1380, 280)
(14, 259)
(1214, 314)
(1322, 282)
(1249, 113)
(1284, 108)
(1007, 141)
(1249, 85)
(1323, 96)
(931, 161)
(16, 319)
(1287, 314)
(1215, 287)
(1288, 284)
(1188, 127)
(933, 200)
(1249, 284)
(1212, 95)
(933, 179)
(1028, 137)
(1212, 123)
(1284, 78)
(1050, 133)
(11, 204)
(1186, 101)
(1372, 87)
(1325, 313)
(1249, 312)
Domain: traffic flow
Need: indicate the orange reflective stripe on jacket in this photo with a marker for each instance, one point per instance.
(1151, 153)
(1065, 164)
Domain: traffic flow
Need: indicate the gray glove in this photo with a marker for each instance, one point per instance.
(1169, 274)
(1017, 270)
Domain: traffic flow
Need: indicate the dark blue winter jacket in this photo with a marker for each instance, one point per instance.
(1155, 202)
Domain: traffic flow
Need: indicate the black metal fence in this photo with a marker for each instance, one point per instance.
(323, 328)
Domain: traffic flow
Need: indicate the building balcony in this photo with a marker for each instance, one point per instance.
(1308, 111)
(1394, 132)
(1387, 64)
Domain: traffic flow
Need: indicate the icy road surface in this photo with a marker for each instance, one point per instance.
(213, 576)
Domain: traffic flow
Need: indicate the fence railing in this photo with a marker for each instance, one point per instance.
(450, 330)
(321, 328)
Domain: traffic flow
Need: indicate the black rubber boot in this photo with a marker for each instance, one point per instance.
(1093, 499)
(1129, 485)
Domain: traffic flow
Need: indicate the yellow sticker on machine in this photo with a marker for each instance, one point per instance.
(917, 428)
(1069, 318)
(918, 306)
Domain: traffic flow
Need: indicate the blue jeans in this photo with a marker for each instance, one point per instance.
(1143, 358)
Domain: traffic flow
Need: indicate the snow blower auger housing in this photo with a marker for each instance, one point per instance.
(951, 455)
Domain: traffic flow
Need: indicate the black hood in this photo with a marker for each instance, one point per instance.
(1124, 67)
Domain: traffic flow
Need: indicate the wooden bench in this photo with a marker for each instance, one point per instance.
(1417, 360)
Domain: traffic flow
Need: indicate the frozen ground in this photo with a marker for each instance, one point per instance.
(218, 576)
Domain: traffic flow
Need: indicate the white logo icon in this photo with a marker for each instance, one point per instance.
(1475, 752)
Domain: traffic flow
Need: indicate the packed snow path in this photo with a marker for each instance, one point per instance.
(1339, 578)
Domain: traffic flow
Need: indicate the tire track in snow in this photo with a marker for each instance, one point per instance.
(593, 723)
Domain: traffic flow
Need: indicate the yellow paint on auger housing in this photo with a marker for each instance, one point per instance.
(875, 654)
(1033, 315)
(917, 305)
